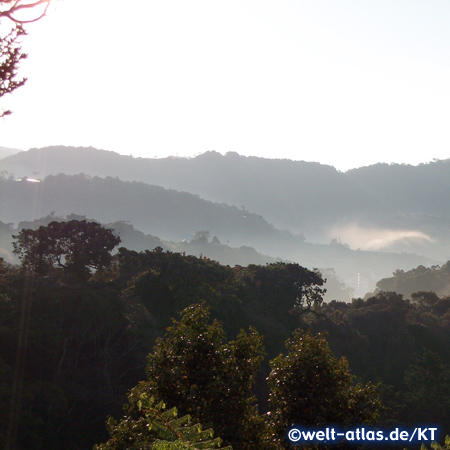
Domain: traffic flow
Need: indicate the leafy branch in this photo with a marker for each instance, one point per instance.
(160, 429)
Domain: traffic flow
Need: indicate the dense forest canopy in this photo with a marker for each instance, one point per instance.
(72, 346)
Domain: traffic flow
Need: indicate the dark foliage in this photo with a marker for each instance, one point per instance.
(311, 387)
(75, 246)
(10, 57)
(434, 279)
(71, 347)
(194, 369)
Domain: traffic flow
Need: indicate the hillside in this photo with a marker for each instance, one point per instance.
(166, 213)
(188, 219)
(90, 335)
(399, 208)
(420, 279)
(295, 195)
(5, 152)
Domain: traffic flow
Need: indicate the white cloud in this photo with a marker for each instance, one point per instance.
(371, 238)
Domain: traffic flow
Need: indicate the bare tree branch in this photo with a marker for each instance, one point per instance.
(19, 6)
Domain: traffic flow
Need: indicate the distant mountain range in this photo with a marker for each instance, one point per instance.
(289, 194)
(5, 151)
(264, 203)
(303, 197)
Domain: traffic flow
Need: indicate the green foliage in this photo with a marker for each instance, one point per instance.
(375, 335)
(83, 344)
(285, 287)
(167, 283)
(309, 297)
(427, 389)
(76, 246)
(437, 446)
(156, 428)
(194, 369)
(424, 299)
(66, 358)
(86, 342)
(310, 386)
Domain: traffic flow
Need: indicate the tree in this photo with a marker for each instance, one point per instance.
(193, 369)
(427, 390)
(287, 288)
(309, 386)
(17, 13)
(77, 246)
(309, 298)
(424, 299)
(69, 351)
(150, 425)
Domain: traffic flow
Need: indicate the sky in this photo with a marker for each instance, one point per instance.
(341, 82)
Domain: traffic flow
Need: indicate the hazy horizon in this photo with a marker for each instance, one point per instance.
(224, 153)
(344, 83)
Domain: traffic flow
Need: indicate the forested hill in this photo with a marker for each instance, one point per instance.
(290, 194)
(434, 279)
(405, 188)
(166, 213)
(178, 216)
(91, 322)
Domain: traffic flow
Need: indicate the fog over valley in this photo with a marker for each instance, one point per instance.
(298, 211)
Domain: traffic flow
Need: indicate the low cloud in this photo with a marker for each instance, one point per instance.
(365, 238)
(6, 255)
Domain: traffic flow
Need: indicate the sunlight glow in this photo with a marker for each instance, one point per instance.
(343, 83)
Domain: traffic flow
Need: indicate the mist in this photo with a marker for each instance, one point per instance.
(373, 238)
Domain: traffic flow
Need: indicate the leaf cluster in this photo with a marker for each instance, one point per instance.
(156, 428)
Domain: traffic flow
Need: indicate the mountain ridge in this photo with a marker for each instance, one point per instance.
(258, 183)
(178, 216)
(303, 197)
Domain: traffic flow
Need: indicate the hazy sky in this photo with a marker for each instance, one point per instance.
(342, 82)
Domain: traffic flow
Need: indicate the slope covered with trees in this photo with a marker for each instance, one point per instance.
(71, 347)
(166, 213)
(296, 195)
(303, 197)
(179, 216)
(429, 279)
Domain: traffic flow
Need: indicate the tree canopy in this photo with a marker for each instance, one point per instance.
(195, 370)
(70, 349)
(77, 246)
(310, 386)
